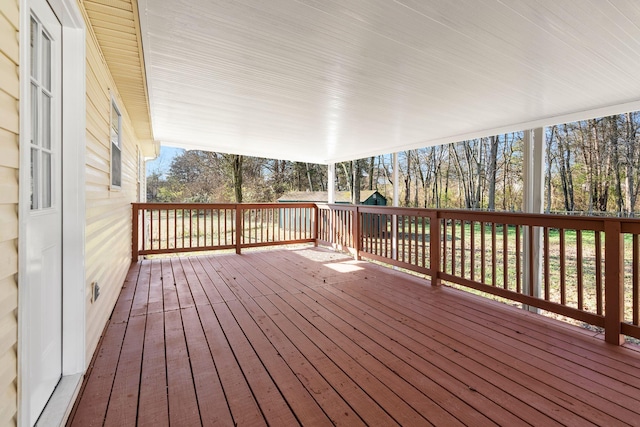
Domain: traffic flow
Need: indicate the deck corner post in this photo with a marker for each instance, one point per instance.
(613, 282)
(356, 233)
(239, 228)
(134, 231)
(533, 202)
(316, 224)
(434, 248)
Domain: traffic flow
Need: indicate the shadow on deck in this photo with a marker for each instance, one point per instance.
(312, 337)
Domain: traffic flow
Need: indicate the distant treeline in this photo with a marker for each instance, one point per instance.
(592, 166)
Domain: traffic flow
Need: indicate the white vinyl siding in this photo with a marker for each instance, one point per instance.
(9, 164)
(108, 213)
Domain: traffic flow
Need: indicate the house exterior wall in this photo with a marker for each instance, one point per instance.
(9, 160)
(108, 211)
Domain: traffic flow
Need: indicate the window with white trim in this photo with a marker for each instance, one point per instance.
(141, 177)
(116, 146)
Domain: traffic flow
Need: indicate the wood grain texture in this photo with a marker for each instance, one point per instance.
(312, 337)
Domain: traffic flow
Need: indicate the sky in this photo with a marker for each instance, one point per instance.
(163, 162)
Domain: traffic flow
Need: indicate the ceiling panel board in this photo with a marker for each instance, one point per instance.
(322, 80)
(98, 7)
(116, 28)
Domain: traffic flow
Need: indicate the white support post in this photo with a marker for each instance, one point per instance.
(331, 184)
(331, 189)
(396, 202)
(533, 202)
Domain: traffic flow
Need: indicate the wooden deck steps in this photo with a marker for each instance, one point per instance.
(311, 337)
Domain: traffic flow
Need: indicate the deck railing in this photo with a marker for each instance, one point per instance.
(583, 268)
(162, 228)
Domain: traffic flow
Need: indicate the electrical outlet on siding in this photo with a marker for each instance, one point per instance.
(95, 291)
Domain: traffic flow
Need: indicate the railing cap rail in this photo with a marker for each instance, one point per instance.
(172, 205)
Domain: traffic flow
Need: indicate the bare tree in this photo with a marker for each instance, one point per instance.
(611, 128)
(356, 168)
(470, 170)
(236, 166)
(372, 163)
(632, 160)
(566, 176)
(407, 180)
(550, 159)
(493, 171)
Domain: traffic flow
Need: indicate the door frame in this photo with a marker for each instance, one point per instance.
(73, 212)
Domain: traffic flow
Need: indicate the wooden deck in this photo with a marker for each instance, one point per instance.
(310, 337)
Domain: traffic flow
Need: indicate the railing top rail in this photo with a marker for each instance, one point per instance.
(184, 205)
(338, 206)
(577, 222)
(222, 205)
(282, 205)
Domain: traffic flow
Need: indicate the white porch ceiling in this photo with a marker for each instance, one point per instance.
(324, 81)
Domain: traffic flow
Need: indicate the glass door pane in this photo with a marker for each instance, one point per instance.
(42, 150)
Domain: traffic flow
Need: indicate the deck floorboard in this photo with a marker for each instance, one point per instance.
(311, 337)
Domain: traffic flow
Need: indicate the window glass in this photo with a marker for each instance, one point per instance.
(46, 121)
(46, 62)
(34, 114)
(116, 146)
(35, 167)
(46, 180)
(34, 48)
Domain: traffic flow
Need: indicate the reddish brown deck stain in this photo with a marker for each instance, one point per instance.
(282, 338)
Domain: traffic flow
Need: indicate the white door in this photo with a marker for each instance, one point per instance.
(44, 218)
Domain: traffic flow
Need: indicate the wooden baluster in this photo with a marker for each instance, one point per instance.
(434, 248)
(239, 226)
(493, 254)
(579, 258)
(453, 246)
(444, 244)
(409, 252)
(424, 243)
(547, 274)
(531, 262)
(518, 261)
(472, 225)
(635, 283)
(462, 247)
(483, 252)
(505, 256)
(563, 269)
(599, 305)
